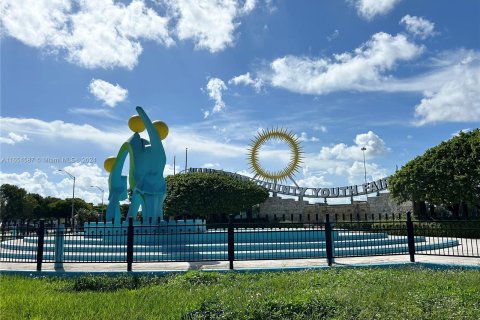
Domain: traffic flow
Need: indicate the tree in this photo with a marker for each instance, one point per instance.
(47, 207)
(63, 208)
(209, 194)
(11, 201)
(84, 215)
(41, 210)
(30, 206)
(16, 203)
(447, 175)
(124, 209)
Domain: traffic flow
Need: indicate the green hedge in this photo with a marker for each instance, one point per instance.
(205, 195)
(457, 229)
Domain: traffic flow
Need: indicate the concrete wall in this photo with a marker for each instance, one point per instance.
(383, 204)
(293, 210)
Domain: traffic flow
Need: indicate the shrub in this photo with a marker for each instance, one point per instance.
(209, 194)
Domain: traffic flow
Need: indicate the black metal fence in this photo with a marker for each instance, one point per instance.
(131, 241)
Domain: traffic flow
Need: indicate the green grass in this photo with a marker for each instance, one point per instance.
(407, 293)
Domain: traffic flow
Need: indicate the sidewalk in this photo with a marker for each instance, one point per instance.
(251, 265)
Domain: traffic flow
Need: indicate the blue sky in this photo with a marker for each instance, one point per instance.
(395, 76)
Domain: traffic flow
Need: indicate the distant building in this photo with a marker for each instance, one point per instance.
(293, 210)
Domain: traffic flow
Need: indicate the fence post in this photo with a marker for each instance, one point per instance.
(14, 231)
(328, 239)
(41, 240)
(59, 246)
(410, 236)
(130, 244)
(231, 242)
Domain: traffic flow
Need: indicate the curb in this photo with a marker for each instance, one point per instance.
(73, 274)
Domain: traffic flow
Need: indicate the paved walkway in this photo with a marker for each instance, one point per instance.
(241, 265)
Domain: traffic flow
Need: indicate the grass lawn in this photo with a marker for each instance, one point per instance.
(406, 293)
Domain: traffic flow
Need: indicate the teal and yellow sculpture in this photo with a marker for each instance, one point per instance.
(147, 162)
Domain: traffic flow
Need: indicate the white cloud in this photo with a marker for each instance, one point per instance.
(108, 93)
(40, 182)
(356, 172)
(215, 87)
(457, 100)
(6, 140)
(202, 149)
(209, 23)
(13, 138)
(203, 146)
(450, 88)
(169, 170)
(313, 181)
(319, 171)
(334, 35)
(36, 23)
(374, 145)
(86, 175)
(64, 130)
(91, 33)
(418, 26)
(304, 138)
(364, 69)
(320, 128)
(212, 165)
(93, 112)
(245, 173)
(455, 134)
(247, 80)
(248, 6)
(112, 138)
(34, 183)
(108, 33)
(117, 30)
(274, 159)
(270, 6)
(442, 68)
(206, 113)
(368, 9)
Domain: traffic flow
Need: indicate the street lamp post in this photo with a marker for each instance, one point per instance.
(186, 159)
(364, 165)
(365, 171)
(103, 191)
(73, 193)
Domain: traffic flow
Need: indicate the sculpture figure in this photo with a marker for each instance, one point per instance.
(147, 163)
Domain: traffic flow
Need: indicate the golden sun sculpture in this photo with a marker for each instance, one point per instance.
(295, 155)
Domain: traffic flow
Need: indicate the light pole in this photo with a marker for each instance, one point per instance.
(186, 158)
(103, 191)
(365, 171)
(364, 165)
(73, 192)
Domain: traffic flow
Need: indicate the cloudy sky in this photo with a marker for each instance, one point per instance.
(394, 76)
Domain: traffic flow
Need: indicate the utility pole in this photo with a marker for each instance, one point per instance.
(73, 194)
(364, 165)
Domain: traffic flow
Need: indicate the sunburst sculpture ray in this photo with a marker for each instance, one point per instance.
(295, 155)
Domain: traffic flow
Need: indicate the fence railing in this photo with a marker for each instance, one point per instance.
(135, 242)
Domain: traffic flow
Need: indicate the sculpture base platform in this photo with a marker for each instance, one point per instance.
(143, 233)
